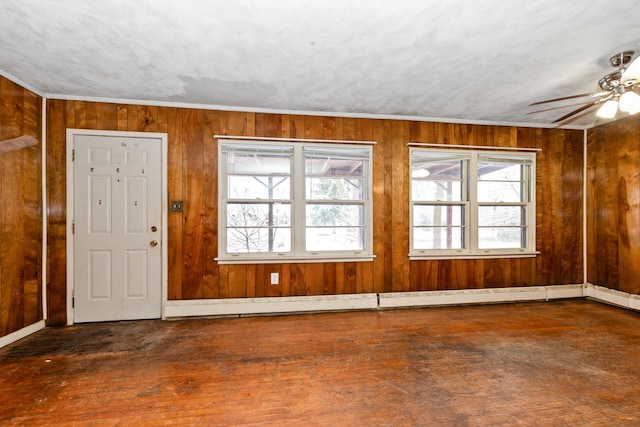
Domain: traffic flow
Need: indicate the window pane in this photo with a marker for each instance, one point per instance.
(438, 237)
(334, 215)
(436, 215)
(501, 237)
(258, 214)
(501, 182)
(334, 188)
(501, 215)
(493, 191)
(259, 187)
(334, 238)
(432, 191)
(248, 240)
(334, 164)
(257, 163)
(500, 171)
(434, 168)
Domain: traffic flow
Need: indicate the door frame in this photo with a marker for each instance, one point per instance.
(163, 140)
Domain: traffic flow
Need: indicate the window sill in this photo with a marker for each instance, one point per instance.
(294, 260)
(492, 255)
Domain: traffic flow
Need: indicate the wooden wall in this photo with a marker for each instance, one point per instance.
(613, 205)
(192, 170)
(20, 210)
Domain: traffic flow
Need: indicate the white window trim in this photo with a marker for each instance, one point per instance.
(298, 179)
(471, 250)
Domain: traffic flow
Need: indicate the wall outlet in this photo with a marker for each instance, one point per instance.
(176, 206)
(275, 278)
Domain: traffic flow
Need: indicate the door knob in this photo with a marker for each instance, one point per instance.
(154, 228)
(153, 243)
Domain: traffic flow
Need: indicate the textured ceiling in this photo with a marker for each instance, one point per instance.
(454, 60)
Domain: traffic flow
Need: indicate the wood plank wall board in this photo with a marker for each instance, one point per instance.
(132, 117)
(379, 206)
(211, 126)
(613, 205)
(192, 178)
(596, 212)
(122, 117)
(57, 114)
(192, 248)
(175, 193)
(32, 202)
(385, 139)
(107, 116)
(601, 210)
(2, 239)
(147, 118)
(571, 197)
(12, 184)
(629, 206)
(590, 214)
(20, 210)
(12, 219)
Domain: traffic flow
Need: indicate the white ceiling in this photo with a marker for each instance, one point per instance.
(449, 60)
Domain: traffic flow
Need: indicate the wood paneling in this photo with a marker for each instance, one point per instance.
(193, 234)
(613, 205)
(57, 116)
(20, 210)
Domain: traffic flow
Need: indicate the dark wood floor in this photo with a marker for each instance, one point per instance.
(558, 363)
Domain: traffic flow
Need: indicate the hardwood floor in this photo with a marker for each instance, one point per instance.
(558, 363)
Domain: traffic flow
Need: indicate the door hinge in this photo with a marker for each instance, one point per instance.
(73, 227)
(73, 155)
(73, 302)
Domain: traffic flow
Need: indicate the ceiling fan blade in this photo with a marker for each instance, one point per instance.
(555, 108)
(576, 111)
(563, 98)
(632, 72)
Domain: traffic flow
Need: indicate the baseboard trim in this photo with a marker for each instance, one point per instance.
(479, 296)
(372, 301)
(21, 333)
(612, 296)
(269, 305)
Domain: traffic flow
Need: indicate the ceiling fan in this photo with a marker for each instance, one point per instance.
(618, 91)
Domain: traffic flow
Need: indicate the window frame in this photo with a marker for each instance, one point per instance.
(297, 201)
(469, 200)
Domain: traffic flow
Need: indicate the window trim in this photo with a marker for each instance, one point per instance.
(298, 203)
(471, 248)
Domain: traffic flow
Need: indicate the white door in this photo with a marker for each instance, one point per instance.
(117, 236)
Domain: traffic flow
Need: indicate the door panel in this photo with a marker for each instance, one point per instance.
(135, 204)
(99, 206)
(100, 267)
(136, 273)
(117, 207)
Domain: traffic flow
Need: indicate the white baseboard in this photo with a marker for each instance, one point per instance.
(277, 305)
(371, 301)
(269, 305)
(478, 296)
(21, 333)
(612, 296)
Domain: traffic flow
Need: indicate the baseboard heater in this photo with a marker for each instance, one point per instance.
(369, 301)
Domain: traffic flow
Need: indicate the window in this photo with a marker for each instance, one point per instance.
(472, 203)
(296, 201)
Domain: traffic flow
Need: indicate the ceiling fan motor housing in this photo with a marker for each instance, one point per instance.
(611, 80)
(621, 59)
